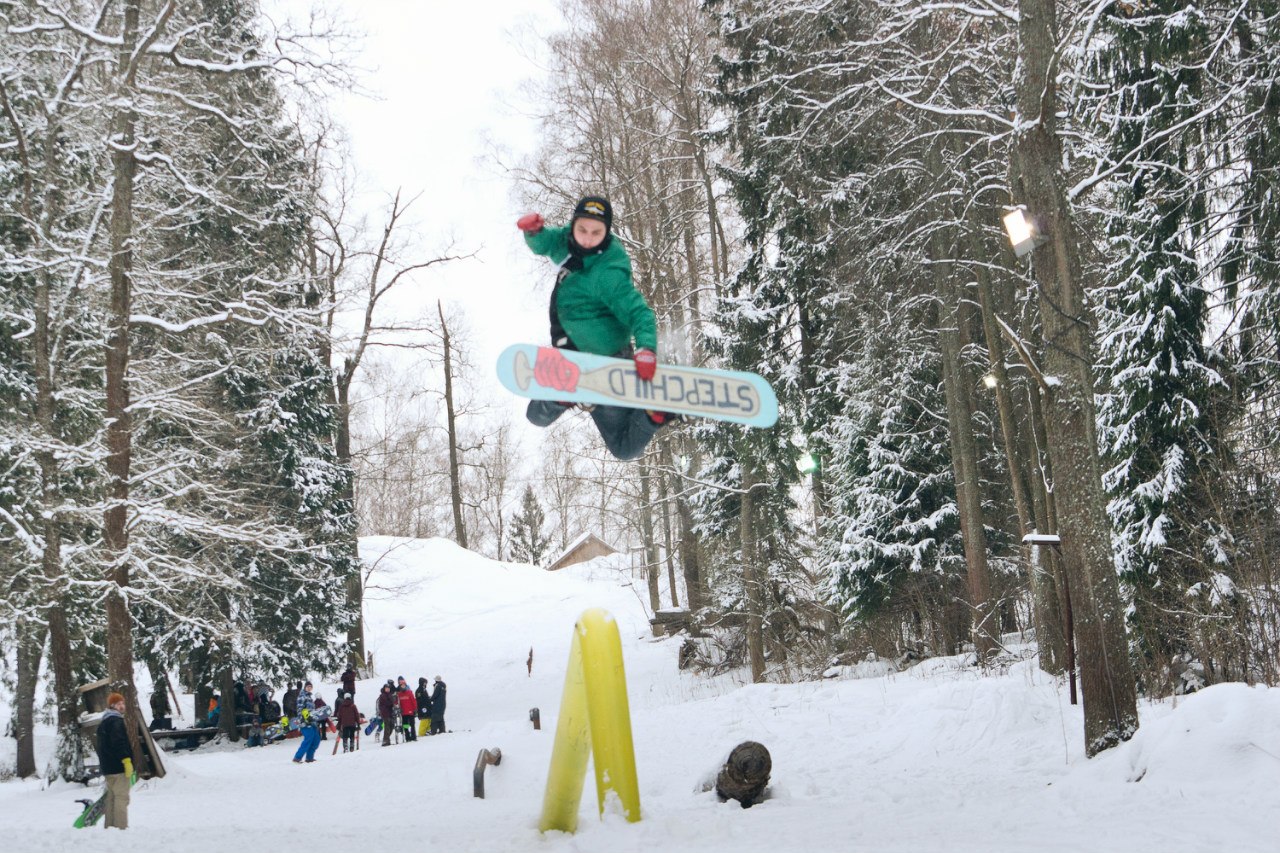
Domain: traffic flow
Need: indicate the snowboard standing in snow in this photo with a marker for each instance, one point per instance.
(548, 373)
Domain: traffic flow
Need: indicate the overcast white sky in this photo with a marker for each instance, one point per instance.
(443, 76)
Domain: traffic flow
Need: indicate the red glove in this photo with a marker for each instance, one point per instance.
(531, 223)
(646, 364)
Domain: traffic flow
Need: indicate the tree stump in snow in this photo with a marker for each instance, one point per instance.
(745, 774)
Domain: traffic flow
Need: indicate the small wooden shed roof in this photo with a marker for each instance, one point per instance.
(588, 546)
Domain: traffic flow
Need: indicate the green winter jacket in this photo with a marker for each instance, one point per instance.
(598, 305)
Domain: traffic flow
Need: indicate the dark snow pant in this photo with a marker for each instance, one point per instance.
(626, 432)
(349, 738)
(410, 733)
(437, 725)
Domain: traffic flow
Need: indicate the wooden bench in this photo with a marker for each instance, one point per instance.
(670, 621)
(201, 735)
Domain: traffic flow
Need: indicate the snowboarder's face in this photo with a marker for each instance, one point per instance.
(588, 233)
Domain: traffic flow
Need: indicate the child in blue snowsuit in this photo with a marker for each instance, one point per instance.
(310, 735)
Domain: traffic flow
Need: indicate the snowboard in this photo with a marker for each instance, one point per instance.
(373, 724)
(548, 373)
(93, 809)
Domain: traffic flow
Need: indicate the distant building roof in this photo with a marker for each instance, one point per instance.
(588, 546)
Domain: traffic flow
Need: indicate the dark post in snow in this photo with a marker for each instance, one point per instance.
(745, 774)
(483, 760)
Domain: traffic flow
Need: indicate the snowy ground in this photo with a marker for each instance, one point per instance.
(934, 758)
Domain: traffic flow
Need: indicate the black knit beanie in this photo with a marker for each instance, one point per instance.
(595, 207)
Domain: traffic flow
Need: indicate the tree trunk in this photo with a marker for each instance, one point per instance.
(115, 533)
(690, 562)
(984, 625)
(31, 636)
(51, 528)
(342, 447)
(667, 531)
(227, 716)
(1110, 699)
(652, 565)
(67, 759)
(751, 579)
(1047, 614)
(455, 481)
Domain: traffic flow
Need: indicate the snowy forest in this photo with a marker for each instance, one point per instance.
(1079, 439)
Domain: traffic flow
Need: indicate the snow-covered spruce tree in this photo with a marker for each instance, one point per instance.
(527, 543)
(1162, 379)
(746, 503)
(893, 544)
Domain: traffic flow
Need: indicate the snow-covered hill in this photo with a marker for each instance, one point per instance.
(938, 757)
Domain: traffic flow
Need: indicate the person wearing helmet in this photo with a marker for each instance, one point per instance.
(596, 308)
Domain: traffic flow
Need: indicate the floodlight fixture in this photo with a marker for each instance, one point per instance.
(1024, 233)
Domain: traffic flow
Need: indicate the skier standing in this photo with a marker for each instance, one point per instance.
(596, 308)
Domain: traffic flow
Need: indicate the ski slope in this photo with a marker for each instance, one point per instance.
(939, 757)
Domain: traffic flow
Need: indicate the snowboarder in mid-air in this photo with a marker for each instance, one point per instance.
(596, 308)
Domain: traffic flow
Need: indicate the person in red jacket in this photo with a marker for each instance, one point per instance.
(408, 710)
(348, 722)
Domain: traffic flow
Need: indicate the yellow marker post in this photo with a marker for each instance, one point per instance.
(595, 717)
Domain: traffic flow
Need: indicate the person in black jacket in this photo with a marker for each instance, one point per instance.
(423, 695)
(386, 710)
(437, 707)
(289, 702)
(115, 757)
(160, 711)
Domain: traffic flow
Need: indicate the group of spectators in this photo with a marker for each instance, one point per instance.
(413, 712)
